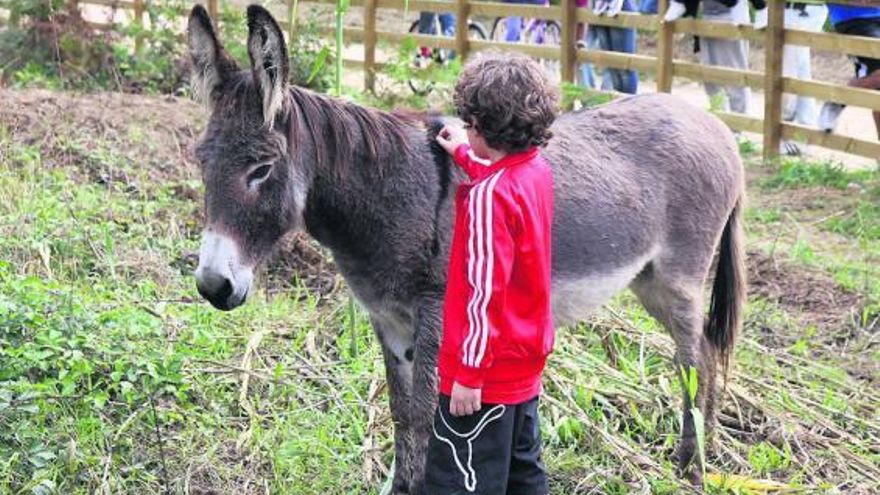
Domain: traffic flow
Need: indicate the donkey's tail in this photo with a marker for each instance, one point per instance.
(728, 290)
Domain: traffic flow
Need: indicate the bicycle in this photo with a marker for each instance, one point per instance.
(426, 57)
(532, 31)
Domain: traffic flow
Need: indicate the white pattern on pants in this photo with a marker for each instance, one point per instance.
(466, 468)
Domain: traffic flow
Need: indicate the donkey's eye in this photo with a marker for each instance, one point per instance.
(258, 175)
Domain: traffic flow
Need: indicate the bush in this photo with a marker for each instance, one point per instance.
(50, 45)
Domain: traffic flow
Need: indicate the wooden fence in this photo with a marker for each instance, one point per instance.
(663, 66)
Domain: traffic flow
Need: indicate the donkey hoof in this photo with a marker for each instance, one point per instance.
(695, 477)
(400, 488)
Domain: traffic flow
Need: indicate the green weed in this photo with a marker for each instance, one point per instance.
(796, 172)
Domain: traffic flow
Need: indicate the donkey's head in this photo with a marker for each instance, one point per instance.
(254, 193)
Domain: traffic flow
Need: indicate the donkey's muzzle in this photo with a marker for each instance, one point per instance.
(218, 290)
(220, 276)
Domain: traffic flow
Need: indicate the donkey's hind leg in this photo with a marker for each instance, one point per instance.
(677, 303)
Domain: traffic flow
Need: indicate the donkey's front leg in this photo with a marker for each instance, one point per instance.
(397, 351)
(424, 393)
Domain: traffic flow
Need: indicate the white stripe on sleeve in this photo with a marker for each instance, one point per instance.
(474, 254)
(490, 267)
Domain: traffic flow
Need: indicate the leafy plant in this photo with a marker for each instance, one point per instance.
(310, 57)
(797, 172)
(690, 381)
(584, 96)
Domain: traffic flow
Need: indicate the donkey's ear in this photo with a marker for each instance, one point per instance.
(269, 62)
(210, 62)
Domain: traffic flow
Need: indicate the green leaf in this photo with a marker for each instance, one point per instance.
(700, 429)
(318, 63)
(693, 384)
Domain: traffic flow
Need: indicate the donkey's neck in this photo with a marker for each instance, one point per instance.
(375, 185)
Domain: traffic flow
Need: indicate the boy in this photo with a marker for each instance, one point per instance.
(497, 325)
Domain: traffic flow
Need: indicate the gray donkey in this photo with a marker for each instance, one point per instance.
(646, 189)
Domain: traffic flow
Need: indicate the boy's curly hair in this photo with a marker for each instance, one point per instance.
(509, 101)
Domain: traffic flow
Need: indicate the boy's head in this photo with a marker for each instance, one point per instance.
(508, 100)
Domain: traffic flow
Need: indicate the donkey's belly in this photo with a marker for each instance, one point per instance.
(574, 299)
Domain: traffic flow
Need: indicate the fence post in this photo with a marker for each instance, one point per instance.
(291, 20)
(370, 45)
(568, 55)
(773, 45)
(664, 50)
(213, 10)
(462, 11)
(139, 22)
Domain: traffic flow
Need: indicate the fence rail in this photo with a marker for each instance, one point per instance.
(664, 66)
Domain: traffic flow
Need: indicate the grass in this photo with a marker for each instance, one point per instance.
(116, 377)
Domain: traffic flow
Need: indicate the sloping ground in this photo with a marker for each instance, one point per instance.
(99, 138)
(117, 378)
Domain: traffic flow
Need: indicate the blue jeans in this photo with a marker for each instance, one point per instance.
(648, 7)
(426, 23)
(515, 24)
(615, 40)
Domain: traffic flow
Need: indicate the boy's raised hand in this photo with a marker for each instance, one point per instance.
(451, 137)
(464, 401)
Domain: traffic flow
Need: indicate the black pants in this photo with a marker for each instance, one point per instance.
(862, 27)
(495, 451)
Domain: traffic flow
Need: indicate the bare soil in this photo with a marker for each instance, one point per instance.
(156, 134)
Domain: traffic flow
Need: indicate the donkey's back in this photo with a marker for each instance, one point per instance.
(644, 177)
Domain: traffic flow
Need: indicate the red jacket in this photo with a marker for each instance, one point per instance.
(497, 324)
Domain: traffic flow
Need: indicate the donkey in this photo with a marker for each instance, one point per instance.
(646, 188)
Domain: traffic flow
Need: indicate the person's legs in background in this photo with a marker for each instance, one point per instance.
(514, 24)
(797, 63)
(867, 72)
(617, 40)
(426, 23)
(588, 75)
(447, 24)
(623, 40)
(648, 7)
(599, 38)
(727, 53)
(870, 81)
(585, 76)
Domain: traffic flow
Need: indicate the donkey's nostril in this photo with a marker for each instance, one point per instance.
(216, 289)
(225, 290)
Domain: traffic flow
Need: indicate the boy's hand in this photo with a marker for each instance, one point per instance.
(464, 401)
(451, 137)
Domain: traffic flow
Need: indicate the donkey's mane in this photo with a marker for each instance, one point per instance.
(345, 133)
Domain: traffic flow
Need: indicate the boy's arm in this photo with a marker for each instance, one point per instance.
(454, 140)
(490, 254)
(467, 161)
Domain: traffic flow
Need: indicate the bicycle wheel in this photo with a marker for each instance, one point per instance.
(476, 30)
(499, 29)
(546, 33)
